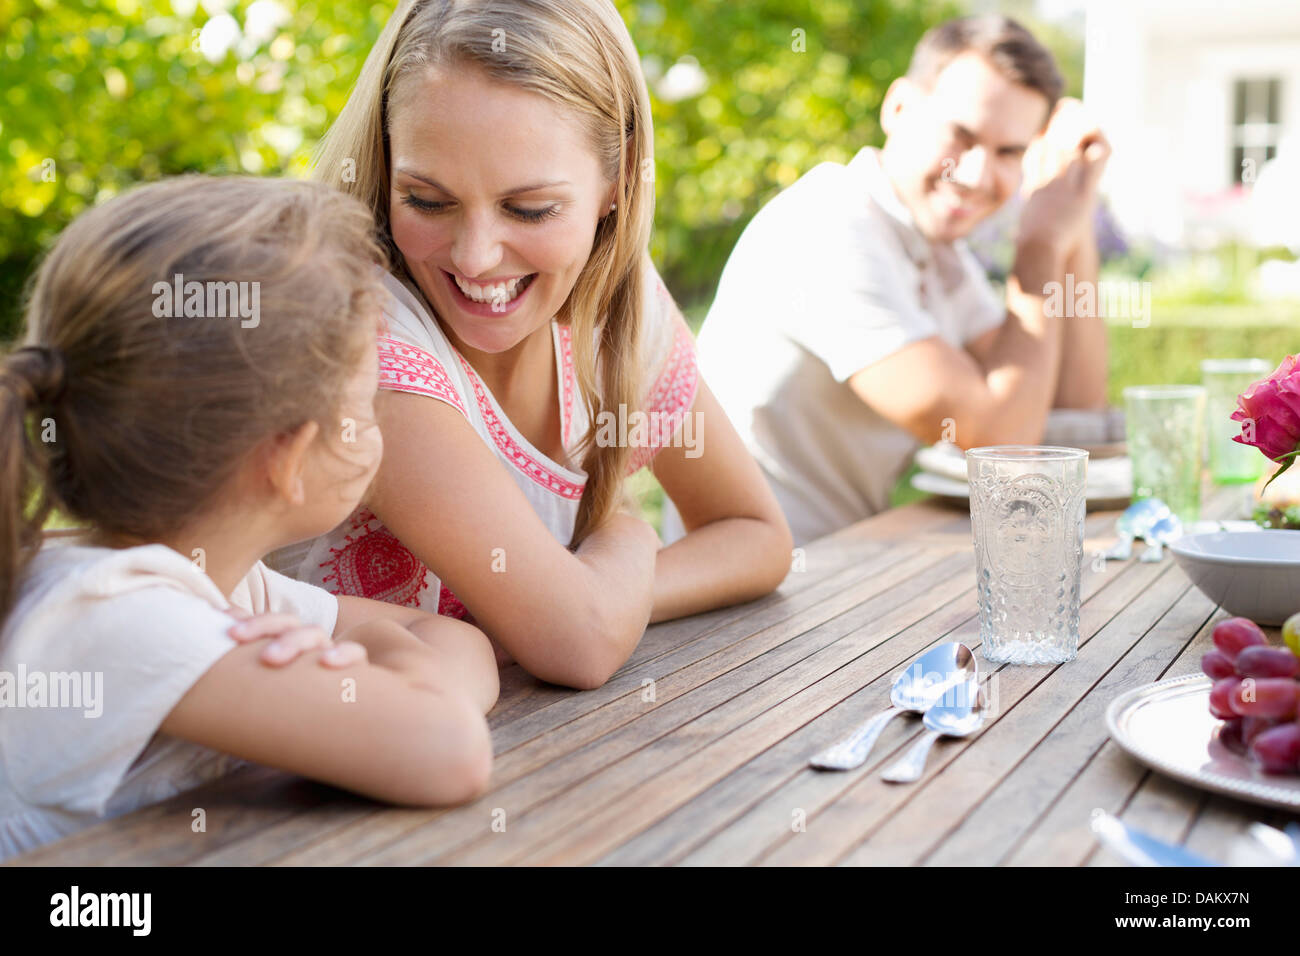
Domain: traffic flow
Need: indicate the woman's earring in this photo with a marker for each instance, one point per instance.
(613, 206)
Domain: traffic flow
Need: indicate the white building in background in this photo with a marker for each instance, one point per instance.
(1201, 100)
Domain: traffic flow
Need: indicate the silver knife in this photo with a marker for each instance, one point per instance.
(1138, 848)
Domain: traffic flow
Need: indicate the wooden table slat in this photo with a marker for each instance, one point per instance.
(1019, 800)
(622, 703)
(811, 791)
(969, 768)
(713, 704)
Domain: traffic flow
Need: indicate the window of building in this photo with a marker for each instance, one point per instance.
(1256, 126)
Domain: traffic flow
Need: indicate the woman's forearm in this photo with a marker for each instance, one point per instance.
(725, 562)
(596, 618)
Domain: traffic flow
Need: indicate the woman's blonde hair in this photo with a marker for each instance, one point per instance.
(578, 54)
(132, 417)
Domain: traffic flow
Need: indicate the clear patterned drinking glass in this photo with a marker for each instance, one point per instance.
(1026, 506)
(1166, 434)
(1231, 463)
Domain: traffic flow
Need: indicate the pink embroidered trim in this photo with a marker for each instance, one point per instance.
(372, 563)
(408, 368)
(672, 395)
(566, 383)
(511, 449)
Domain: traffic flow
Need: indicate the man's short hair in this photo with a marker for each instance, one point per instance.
(1009, 47)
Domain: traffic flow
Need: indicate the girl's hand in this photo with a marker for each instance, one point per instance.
(292, 638)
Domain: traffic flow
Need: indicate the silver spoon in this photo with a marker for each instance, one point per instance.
(919, 687)
(1163, 531)
(1134, 523)
(955, 716)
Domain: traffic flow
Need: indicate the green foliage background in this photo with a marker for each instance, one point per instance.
(107, 94)
(97, 96)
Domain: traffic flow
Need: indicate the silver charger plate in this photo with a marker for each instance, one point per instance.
(1168, 726)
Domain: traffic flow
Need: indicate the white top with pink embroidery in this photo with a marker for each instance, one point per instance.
(362, 558)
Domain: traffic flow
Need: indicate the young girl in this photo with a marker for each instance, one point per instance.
(196, 389)
(534, 358)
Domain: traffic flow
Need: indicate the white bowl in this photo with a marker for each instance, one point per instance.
(1254, 574)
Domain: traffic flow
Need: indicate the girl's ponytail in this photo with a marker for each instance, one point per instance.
(32, 377)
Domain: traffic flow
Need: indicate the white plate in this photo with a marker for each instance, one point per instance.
(1108, 478)
(1254, 574)
(940, 485)
(950, 488)
(1168, 726)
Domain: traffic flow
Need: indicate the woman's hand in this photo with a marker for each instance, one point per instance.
(290, 639)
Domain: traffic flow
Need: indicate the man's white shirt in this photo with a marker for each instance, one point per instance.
(830, 277)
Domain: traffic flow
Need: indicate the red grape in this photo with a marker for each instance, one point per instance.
(1278, 749)
(1218, 665)
(1264, 697)
(1252, 727)
(1232, 635)
(1256, 694)
(1230, 735)
(1257, 661)
(1221, 695)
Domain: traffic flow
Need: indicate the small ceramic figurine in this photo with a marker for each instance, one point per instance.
(1151, 520)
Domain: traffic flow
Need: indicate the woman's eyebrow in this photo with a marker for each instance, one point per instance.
(511, 192)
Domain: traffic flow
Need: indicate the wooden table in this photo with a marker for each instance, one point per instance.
(696, 751)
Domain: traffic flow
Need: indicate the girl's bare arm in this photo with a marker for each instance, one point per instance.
(387, 728)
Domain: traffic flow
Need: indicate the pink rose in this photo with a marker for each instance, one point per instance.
(1270, 414)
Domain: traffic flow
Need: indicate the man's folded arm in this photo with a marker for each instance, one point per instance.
(998, 393)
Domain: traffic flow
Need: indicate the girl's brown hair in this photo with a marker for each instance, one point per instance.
(576, 53)
(130, 417)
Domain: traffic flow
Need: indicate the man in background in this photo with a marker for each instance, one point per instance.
(851, 322)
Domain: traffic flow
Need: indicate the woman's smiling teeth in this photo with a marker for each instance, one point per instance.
(494, 292)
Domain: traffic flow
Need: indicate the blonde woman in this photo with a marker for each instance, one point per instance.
(533, 357)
